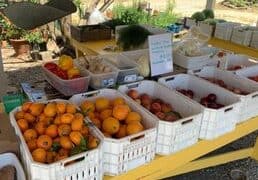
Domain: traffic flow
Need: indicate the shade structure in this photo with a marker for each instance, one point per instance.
(27, 15)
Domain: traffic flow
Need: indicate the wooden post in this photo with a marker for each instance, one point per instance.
(210, 4)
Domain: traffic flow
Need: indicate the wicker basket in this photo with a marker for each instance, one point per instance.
(90, 32)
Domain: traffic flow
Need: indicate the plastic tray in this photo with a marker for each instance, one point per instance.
(195, 62)
(7, 159)
(122, 155)
(68, 87)
(103, 80)
(89, 165)
(248, 72)
(127, 69)
(249, 103)
(224, 30)
(172, 136)
(215, 122)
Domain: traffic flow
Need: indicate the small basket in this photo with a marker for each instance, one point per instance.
(122, 155)
(90, 32)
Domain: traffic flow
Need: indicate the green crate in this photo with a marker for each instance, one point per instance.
(12, 101)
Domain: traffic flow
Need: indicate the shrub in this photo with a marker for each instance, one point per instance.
(209, 14)
(198, 16)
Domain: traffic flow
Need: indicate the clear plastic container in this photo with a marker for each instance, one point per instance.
(68, 87)
(127, 69)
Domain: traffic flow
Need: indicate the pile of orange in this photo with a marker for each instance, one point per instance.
(54, 131)
(113, 117)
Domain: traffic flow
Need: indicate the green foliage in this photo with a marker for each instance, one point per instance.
(132, 36)
(198, 16)
(34, 37)
(209, 14)
(78, 4)
(83, 146)
(14, 32)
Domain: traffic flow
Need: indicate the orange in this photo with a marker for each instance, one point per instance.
(52, 131)
(79, 116)
(62, 154)
(91, 115)
(110, 125)
(133, 116)
(40, 127)
(70, 108)
(102, 103)
(47, 121)
(45, 142)
(50, 157)
(66, 118)
(118, 101)
(76, 137)
(84, 131)
(19, 115)
(23, 124)
(122, 132)
(96, 122)
(74, 71)
(36, 109)
(77, 124)
(64, 129)
(97, 115)
(26, 106)
(30, 134)
(65, 142)
(93, 142)
(134, 127)
(32, 144)
(120, 112)
(87, 107)
(65, 62)
(105, 114)
(39, 155)
(60, 107)
(30, 118)
(50, 110)
(57, 120)
(42, 117)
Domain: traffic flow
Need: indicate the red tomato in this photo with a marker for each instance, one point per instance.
(51, 66)
(62, 74)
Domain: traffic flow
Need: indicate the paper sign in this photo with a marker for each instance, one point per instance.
(160, 50)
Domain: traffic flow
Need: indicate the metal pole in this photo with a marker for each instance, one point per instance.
(210, 4)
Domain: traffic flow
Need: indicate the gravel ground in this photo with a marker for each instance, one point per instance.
(24, 70)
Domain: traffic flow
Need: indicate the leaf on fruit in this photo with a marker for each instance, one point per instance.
(55, 147)
(80, 148)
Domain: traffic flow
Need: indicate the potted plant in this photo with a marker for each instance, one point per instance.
(15, 36)
(3, 29)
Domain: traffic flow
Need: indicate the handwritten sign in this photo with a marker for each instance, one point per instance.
(160, 50)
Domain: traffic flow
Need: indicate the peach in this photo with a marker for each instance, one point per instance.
(160, 115)
(133, 94)
(165, 108)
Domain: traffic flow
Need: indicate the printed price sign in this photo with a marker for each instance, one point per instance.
(160, 50)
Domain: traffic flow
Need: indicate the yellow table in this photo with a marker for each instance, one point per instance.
(185, 160)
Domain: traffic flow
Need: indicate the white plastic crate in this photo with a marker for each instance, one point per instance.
(9, 159)
(127, 69)
(172, 136)
(206, 28)
(249, 103)
(196, 62)
(242, 36)
(190, 22)
(122, 155)
(215, 122)
(224, 30)
(88, 166)
(103, 80)
(68, 87)
(254, 40)
(248, 72)
(238, 60)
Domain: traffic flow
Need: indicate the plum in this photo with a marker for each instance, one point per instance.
(160, 115)
(204, 101)
(155, 107)
(145, 99)
(213, 105)
(212, 97)
(190, 94)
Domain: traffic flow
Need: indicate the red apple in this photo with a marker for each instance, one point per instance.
(133, 94)
(155, 107)
(160, 115)
(145, 99)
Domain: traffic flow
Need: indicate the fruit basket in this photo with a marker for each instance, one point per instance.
(224, 30)
(248, 92)
(67, 87)
(250, 73)
(40, 165)
(9, 159)
(127, 70)
(102, 73)
(173, 135)
(218, 119)
(129, 151)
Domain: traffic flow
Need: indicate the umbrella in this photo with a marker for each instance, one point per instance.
(27, 15)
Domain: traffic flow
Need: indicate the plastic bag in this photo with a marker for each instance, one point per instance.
(96, 17)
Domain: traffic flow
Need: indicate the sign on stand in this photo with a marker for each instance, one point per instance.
(160, 50)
